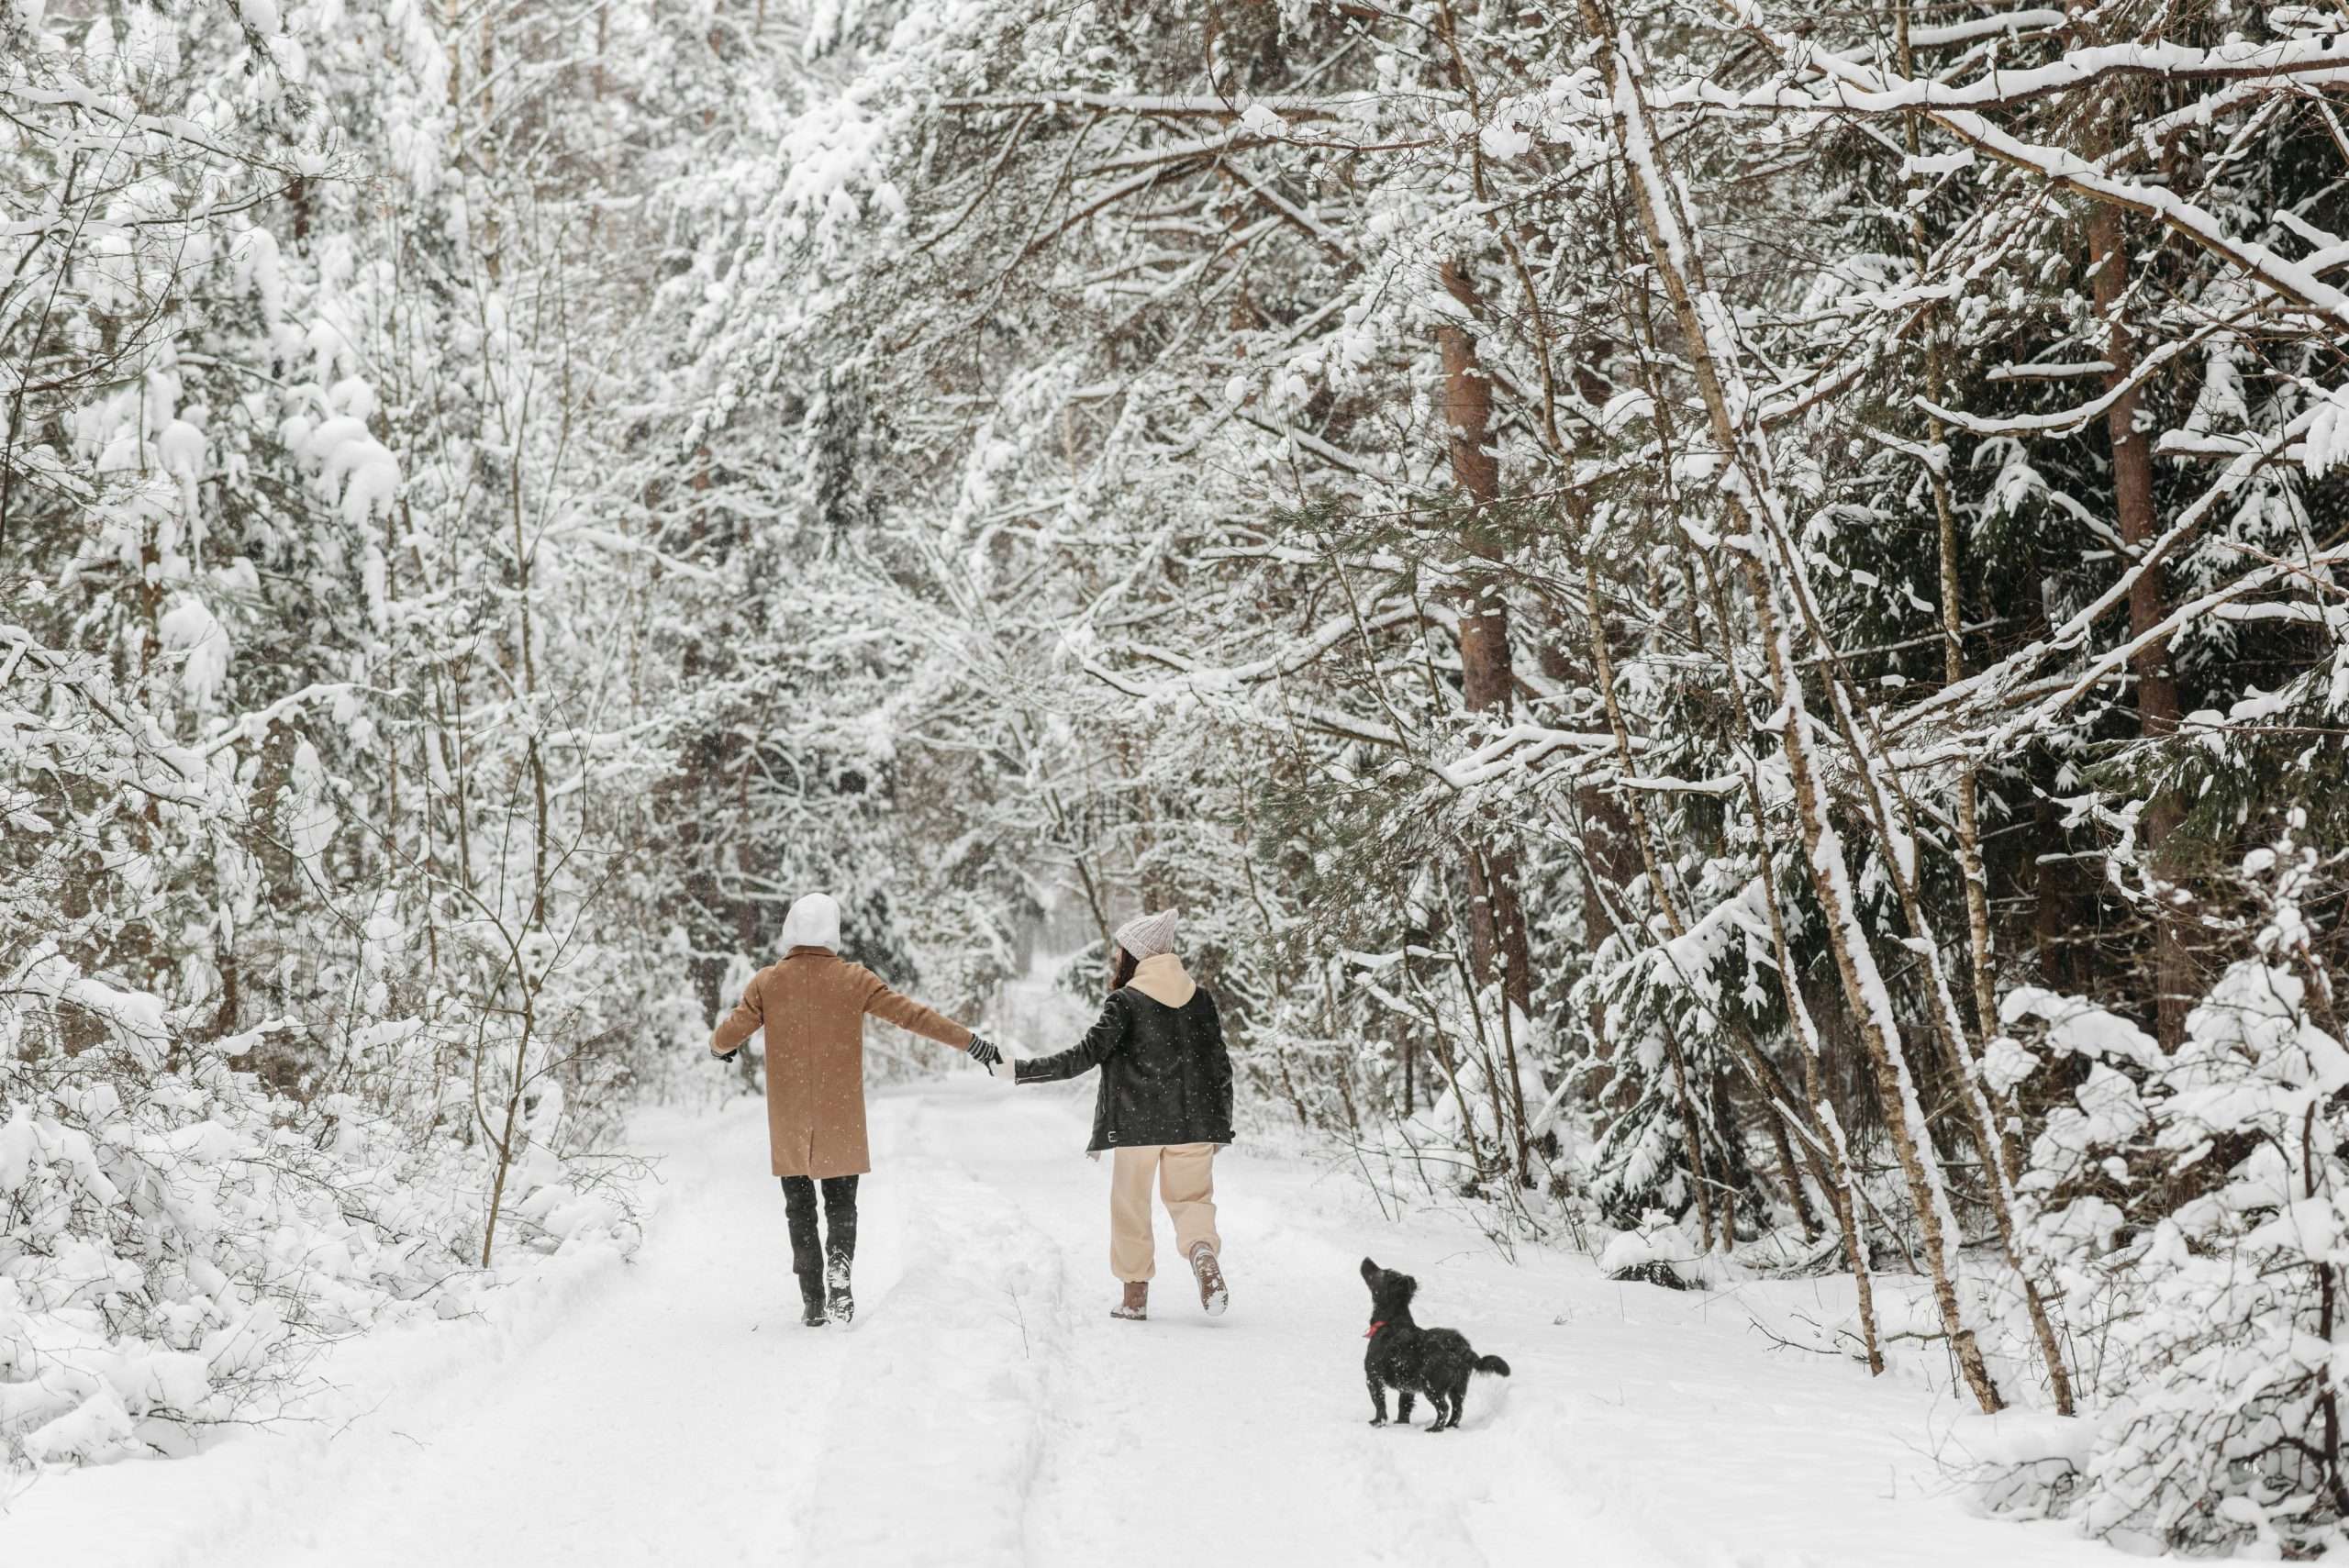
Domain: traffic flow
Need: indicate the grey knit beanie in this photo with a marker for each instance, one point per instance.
(1147, 936)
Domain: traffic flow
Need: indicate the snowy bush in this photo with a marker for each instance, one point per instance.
(173, 1243)
(177, 1232)
(2192, 1205)
(176, 1238)
(1657, 1252)
(1658, 1081)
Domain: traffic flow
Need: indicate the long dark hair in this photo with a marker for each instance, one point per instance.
(1122, 966)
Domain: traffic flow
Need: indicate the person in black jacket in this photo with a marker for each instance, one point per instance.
(1164, 1105)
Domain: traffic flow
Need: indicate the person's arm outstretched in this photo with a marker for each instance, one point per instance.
(907, 1014)
(1101, 1042)
(739, 1025)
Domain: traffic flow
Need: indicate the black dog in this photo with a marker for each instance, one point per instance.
(1414, 1360)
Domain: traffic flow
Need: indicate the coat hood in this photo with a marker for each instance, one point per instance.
(814, 922)
(1161, 978)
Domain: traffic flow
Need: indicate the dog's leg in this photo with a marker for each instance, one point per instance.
(1441, 1416)
(1403, 1405)
(1378, 1401)
(1459, 1397)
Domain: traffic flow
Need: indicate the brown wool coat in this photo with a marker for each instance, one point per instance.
(812, 1006)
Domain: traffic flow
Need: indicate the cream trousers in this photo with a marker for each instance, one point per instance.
(1185, 1174)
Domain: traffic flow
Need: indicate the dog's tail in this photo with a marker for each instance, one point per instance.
(1493, 1365)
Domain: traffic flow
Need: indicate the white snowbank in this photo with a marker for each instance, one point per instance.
(1658, 1241)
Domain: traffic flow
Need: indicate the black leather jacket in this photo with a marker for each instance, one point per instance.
(1166, 1077)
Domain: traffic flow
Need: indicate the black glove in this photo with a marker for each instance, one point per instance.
(982, 1052)
(731, 1054)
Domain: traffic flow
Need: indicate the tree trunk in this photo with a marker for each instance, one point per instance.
(1496, 916)
(2157, 702)
(1692, 1141)
(1827, 1153)
(1969, 832)
(1897, 837)
(1790, 1177)
(1845, 1196)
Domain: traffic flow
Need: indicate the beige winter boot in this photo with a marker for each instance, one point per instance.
(1214, 1295)
(1136, 1305)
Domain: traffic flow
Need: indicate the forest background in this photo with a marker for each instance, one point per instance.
(1725, 621)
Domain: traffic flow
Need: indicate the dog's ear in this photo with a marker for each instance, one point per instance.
(1369, 1270)
(1405, 1287)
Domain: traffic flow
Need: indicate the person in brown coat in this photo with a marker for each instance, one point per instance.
(812, 1006)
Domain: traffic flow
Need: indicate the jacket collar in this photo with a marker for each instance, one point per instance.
(803, 949)
(1161, 978)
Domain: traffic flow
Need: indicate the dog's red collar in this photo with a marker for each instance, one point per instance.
(1375, 1328)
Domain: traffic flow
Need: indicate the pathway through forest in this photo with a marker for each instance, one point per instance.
(985, 1411)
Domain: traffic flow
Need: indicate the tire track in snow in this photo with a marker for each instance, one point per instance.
(943, 1422)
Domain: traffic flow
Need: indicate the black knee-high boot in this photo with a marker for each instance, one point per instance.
(839, 1245)
(806, 1248)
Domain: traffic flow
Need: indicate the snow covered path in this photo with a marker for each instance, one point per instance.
(985, 1411)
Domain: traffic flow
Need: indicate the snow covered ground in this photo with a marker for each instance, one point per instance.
(984, 1410)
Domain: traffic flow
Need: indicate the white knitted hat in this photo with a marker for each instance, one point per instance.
(1147, 936)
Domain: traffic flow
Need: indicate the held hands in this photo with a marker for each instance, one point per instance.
(987, 1054)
